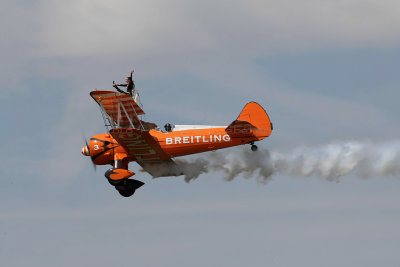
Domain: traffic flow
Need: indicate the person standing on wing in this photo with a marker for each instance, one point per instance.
(130, 85)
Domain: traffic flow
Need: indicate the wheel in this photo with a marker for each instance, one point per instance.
(254, 148)
(127, 188)
(127, 193)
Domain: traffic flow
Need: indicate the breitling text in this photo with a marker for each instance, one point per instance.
(197, 139)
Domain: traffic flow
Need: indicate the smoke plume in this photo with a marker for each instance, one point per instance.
(330, 161)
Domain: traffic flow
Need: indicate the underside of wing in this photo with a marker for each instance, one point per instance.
(121, 108)
(146, 151)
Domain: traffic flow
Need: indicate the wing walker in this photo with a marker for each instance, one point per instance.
(129, 138)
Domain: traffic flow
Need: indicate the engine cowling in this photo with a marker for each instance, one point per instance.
(101, 149)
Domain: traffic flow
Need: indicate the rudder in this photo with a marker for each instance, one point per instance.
(253, 119)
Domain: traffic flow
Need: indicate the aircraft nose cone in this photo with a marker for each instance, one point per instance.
(85, 151)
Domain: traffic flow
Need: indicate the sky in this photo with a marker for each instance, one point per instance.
(325, 71)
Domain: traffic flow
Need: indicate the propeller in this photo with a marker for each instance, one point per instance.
(86, 152)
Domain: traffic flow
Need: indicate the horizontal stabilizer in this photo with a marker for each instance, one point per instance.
(239, 126)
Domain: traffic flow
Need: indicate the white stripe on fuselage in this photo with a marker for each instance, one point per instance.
(194, 127)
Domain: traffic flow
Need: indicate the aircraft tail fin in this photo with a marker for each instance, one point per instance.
(252, 121)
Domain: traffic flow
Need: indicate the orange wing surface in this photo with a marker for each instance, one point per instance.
(146, 151)
(120, 107)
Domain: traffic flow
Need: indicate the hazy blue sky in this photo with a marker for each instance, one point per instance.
(326, 71)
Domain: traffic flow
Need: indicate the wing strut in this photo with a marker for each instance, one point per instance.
(140, 121)
(126, 113)
(119, 115)
(106, 117)
(119, 110)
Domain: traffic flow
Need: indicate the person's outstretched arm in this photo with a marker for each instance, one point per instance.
(119, 90)
(120, 84)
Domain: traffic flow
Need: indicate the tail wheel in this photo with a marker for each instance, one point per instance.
(253, 146)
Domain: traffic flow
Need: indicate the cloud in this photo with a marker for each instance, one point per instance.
(199, 37)
(217, 27)
(168, 36)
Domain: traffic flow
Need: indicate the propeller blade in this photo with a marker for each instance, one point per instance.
(87, 145)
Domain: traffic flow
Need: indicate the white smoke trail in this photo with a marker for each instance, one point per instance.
(330, 161)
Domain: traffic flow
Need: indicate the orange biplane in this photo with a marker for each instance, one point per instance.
(129, 138)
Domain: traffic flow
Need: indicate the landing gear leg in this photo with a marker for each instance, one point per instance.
(253, 146)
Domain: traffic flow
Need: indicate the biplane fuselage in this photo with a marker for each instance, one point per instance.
(131, 139)
(174, 144)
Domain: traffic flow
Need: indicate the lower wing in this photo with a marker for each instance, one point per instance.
(146, 151)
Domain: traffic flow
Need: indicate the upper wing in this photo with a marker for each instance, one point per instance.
(147, 152)
(120, 107)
